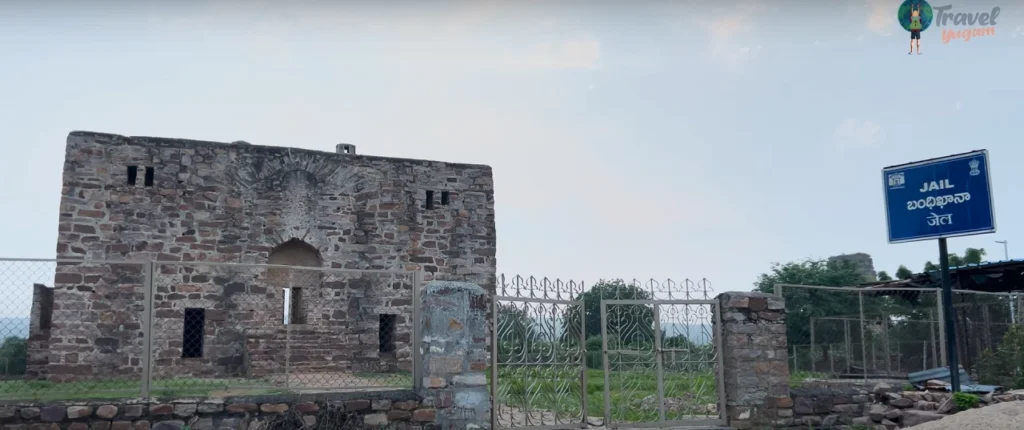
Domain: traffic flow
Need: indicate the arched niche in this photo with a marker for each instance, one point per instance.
(296, 285)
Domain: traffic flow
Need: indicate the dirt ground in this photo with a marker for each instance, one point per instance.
(1003, 416)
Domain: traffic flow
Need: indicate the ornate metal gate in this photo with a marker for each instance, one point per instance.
(661, 356)
(538, 368)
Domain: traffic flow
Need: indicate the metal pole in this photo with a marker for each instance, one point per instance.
(813, 366)
(584, 394)
(886, 348)
(935, 346)
(947, 304)
(1006, 257)
(417, 334)
(604, 359)
(658, 363)
(941, 330)
(848, 346)
(863, 340)
(495, 401)
(147, 329)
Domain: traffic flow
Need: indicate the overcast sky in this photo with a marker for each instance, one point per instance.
(660, 139)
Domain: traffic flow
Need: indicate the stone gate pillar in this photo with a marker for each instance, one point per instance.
(454, 354)
(756, 367)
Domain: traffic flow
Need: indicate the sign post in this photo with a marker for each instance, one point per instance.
(937, 199)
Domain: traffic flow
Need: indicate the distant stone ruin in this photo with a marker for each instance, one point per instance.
(865, 266)
(186, 202)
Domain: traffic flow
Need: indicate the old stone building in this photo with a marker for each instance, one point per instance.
(212, 214)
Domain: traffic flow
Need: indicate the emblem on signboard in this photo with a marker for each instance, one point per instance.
(896, 180)
(974, 167)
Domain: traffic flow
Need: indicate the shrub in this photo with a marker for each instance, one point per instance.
(1002, 366)
(965, 401)
(13, 355)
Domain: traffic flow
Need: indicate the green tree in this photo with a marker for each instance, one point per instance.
(629, 324)
(802, 304)
(13, 353)
(903, 272)
(883, 276)
(971, 256)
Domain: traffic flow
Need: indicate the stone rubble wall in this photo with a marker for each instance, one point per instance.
(402, 410)
(754, 349)
(234, 203)
(878, 406)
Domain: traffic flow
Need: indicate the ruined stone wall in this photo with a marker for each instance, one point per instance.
(202, 202)
(40, 321)
(754, 354)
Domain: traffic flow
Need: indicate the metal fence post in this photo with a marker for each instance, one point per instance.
(941, 330)
(813, 366)
(863, 339)
(147, 329)
(417, 342)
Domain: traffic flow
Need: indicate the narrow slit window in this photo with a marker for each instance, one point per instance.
(192, 333)
(133, 172)
(430, 199)
(149, 176)
(296, 316)
(445, 198)
(386, 333)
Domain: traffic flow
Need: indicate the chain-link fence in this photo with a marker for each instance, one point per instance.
(887, 333)
(99, 329)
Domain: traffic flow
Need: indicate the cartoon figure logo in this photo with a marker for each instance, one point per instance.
(915, 16)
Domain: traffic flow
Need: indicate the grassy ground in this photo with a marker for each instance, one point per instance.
(127, 388)
(557, 389)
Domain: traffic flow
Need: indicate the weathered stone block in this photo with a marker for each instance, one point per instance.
(53, 414)
(184, 410)
(170, 425)
(106, 412)
(78, 426)
(100, 425)
(399, 415)
(375, 420)
(161, 409)
(121, 425)
(381, 405)
(210, 408)
(275, 408)
(356, 405)
(142, 425)
(202, 424)
(29, 413)
(424, 415)
(306, 407)
(239, 408)
(133, 411)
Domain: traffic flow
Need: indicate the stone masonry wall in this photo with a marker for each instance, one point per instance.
(454, 353)
(754, 351)
(40, 321)
(193, 202)
(400, 410)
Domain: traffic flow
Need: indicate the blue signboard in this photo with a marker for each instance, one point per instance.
(943, 197)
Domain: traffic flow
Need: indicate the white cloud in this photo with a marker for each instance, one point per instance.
(573, 53)
(881, 16)
(853, 132)
(730, 29)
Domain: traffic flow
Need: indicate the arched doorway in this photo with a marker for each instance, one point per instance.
(295, 285)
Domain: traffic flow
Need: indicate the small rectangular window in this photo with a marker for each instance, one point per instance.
(193, 333)
(444, 198)
(386, 333)
(149, 176)
(133, 172)
(295, 314)
(430, 199)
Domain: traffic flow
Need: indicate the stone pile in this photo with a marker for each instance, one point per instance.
(882, 408)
